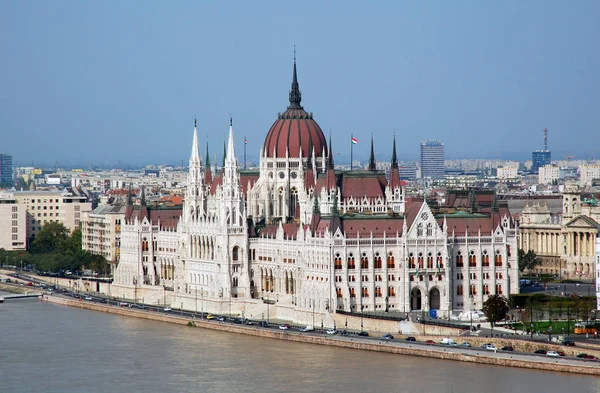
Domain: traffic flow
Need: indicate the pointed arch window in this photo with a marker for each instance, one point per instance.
(390, 261)
(485, 259)
(364, 261)
(472, 259)
(420, 229)
(459, 260)
(351, 262)
(378, 262)
(440, 261)
(429, 229)
(420, 260)
(498, 259)
(429, 261)
(411, 261)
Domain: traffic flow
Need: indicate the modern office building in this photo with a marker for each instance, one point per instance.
(540, 158)
(6, 177)
(13, 223)
(432, 159)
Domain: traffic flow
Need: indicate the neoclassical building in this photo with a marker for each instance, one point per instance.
(565, 240)
(298, 237)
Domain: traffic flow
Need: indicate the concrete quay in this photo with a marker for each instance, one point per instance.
(474, 355)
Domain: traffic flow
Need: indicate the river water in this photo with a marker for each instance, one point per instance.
(51, 348)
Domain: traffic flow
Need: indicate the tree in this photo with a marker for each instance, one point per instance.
(495, 309)
(528, 260)
(52, 238)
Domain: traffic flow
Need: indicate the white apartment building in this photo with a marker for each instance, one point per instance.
(589, 173)
(548, 174)
(13, 223)
(101, 232)
(64, 206)
(507, 172)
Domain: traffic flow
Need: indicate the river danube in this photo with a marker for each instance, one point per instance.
(50, 348)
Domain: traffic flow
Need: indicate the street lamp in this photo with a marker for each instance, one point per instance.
(313, 313)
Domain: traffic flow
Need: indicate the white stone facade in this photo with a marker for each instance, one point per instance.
(13, 223)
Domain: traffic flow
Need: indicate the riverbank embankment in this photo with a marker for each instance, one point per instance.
(402, 348)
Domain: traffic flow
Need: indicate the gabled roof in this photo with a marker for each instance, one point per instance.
(582, 221)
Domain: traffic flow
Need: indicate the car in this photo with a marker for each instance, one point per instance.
(264, 324)
(210, 316)
(491, 347)
(483, 346)
(249, 322)
(429, 342)
(331, 331)
(140, 306)
(285, 326)
(387, 337)
(553, 354)
(239, 321)
(64, 290)
(167, 309)
(88, 298)
(363, 333)
(541, 352)
(221, 318)
(29, 284)
(466, 344)
(569, 343)
(508, 348)
(344, 333)
(307, 329)
(453, 344)
(8, 280)
(103, 301)
(410, 338)
(561, 353)
(586, 356)
(42, 285)
(123, 304)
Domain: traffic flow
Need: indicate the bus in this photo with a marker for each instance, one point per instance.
(585, 328)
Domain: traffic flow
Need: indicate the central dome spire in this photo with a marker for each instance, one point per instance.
(295, 95)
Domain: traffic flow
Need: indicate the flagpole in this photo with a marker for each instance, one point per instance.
(245, 143)
(351, 150)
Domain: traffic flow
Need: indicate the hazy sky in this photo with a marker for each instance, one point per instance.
(104, 81)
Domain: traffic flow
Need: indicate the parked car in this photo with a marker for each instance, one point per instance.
(561, 353)
(507, 348)
(569, 343)
(103, 301)
(284, 326)
(387, 337)
(491, 347)
(586, 356)
(88, 298)
(167, 309)
(541, 352)
(553, 354)
(410, 338)
(221, 318)
(307, 329)
(363, 333)
(210, 316)
(249, 322)
(331, 331)
(466, 344)
(429, 342)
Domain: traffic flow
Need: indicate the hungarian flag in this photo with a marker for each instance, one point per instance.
(246, 141)
(354, 140)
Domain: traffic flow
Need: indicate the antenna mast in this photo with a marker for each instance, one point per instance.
(545, 139)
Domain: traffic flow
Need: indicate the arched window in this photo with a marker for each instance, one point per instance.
(429, 261)
(337, 261)
(429, 229)
(378, 292)
(498, 259)
(234, 253)
(485, 259)
(486, 289)
(338, 291)
(440, 261)
(365, 292)
(364, 261)
(420, 229)
(352, 293)
(472, 259)
(420, 260)
(411, 261)
(351, 262)
(378, 263)
(459, 290)
(293, 202)
(498, 289)
(390, 261)
(472, 290)
(459, 260)
(391, 292)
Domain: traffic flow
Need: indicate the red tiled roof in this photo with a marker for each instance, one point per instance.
(377, 226)
(174, 199)
(289, 230)
(247, 180)
(360, 187)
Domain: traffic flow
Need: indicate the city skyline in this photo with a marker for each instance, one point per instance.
(485, 79)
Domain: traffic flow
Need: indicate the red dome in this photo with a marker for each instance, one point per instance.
(293, 129)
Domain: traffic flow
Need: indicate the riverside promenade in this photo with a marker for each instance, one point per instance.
(400, 347)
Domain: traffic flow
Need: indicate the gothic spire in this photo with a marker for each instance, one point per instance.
(394, 158)
(230, 144)
(372, 165)
(207, 157)
(310, 154)
(295, 95)
(330, 158)
(316, 208)
(195, 156)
